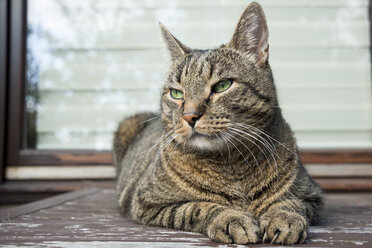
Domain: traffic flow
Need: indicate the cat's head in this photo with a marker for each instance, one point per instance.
(211, 96)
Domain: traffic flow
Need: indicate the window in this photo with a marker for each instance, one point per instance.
(86, 64)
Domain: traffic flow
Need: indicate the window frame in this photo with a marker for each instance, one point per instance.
(12, 118)
(3, 79)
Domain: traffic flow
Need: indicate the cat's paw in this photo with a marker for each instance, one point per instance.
(283, 227)
(231, 226)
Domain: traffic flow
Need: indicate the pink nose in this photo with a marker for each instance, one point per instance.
(191, 118)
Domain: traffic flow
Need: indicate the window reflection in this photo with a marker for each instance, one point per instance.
(92, 62)
(83, 75)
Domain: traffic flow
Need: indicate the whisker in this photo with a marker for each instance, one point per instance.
(236, 131)
(268, 145)
(218, 145)
(250, 135)
(153, 118)
(245, 147)
(227, 144)
(183, 146)
(262, 141)
(270, 137)
(173, 149)
(249, 128)
(270, 153)
(272, 150)
(157, 142)
(163, 146)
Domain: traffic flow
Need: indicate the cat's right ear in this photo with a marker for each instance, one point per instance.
(175, 47)
(251, 34)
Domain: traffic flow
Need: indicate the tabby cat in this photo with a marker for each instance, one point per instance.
(219, 159)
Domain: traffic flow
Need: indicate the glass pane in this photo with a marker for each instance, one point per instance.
(90, 63)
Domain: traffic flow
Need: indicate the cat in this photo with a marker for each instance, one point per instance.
(219, 159)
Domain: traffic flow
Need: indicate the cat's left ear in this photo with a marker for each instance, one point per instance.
(251, 34)
(175, 47)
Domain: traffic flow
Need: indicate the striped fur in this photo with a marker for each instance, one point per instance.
(235, 176)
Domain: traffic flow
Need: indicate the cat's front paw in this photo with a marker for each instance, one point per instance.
(231, 226)
(283, 227)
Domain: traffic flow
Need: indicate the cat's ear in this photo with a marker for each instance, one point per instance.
(251, 34)
(175, 47)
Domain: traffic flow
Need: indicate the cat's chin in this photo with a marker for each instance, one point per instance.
(204, 143)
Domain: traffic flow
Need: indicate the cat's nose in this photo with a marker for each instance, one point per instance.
(191, 118)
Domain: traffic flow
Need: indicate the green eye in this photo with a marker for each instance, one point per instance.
(176, 94)
(222, 86)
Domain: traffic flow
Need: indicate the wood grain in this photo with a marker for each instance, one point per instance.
(21, 192)
(69, 157)
(66, 172)
(344, 184)
(336, 156)
(93, 220)
(6, 214)
(340, 170)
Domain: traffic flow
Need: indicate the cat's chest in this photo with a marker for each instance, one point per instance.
(203, 180)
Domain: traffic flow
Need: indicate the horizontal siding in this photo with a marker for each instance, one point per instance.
(301, 118)
(289, 96)
(126, 76)
(212, 34)
(224, 14)
(153, 56)
(97, 65)
(130, 4)
(221, 13)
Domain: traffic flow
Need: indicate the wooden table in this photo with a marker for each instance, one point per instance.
(89, 218)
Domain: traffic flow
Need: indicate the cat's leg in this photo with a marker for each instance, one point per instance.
(218, 222)
(285, 222)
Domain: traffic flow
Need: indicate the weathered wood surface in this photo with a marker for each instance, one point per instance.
(89, 218)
